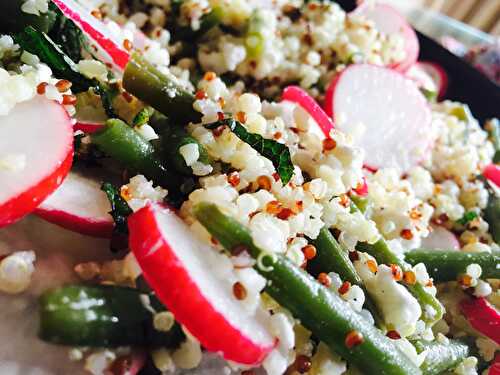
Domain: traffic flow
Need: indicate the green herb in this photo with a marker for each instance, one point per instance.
(142, 117)
(430, 95)
(66, 34)
(276, 152)
(40, 44)
(120, 210)
(467, 218)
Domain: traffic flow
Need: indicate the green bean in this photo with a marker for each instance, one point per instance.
(98, 316)
(171, 144)
(447, 265)
(441, 357)
(330, 256)
(432, 310)
(492, 215)
(122, 143)
(321, 311)
(158, 90)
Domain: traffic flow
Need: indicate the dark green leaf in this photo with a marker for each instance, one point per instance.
(66, 34)
(120, 209)
(278, 153)
(467, 218)
(40, 44)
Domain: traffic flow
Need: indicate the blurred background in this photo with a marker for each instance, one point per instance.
(479, 19)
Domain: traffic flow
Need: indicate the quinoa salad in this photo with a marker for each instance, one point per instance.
(279, 186)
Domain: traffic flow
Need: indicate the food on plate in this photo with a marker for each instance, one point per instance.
(279, 183)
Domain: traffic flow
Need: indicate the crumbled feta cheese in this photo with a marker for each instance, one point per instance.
(474, 270)
(482, 289)
(190, 153)
(201, 169)
(93, 69)
(146, 132)
(398, 307)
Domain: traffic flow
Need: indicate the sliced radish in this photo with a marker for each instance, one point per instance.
(87, 127)
(40, 132)
(495, 365)
(181, 271)
(483, 316)
(430, 76)
(112, 51)
(362, 188)
(441, 238)
(389, 21)
(492, 173)
(298, 96)
(385, 113)
(79, 205)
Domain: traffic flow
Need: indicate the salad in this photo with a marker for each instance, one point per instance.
(279, 183)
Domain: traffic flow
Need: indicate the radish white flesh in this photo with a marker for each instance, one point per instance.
(437, 74)
(41, 133)
(389, 21)
(440, 238)
(186, 276)
(422, 78)
(110, 49)
(386, 114)
(79, 205)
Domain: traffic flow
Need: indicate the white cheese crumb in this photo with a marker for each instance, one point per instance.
(146, 132)
(190, 153)
(474, 270)
(93, 69)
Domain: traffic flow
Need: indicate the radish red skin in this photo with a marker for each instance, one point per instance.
(87, 127)
(482, 316)
(93, 228)
(297, 95)
(492, 173)
(119, 56)
(27, 201)
(165, 273)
